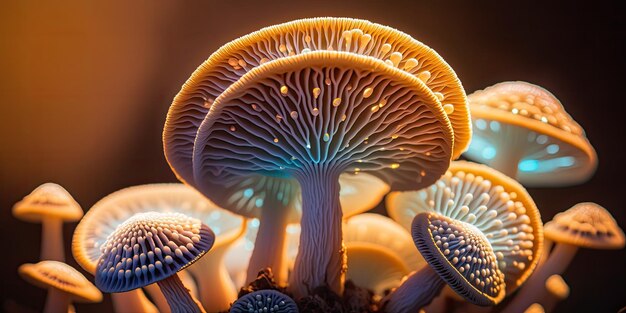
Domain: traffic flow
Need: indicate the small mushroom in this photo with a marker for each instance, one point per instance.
(523, 131)
(488, 200)
(535, 308)
(65, 284)
(380, 252)
(557, 291)
(152, 247)
(214, 286)
(264, 301)
(51, 205)
(585, 225)
(460, 255)
(406, 142)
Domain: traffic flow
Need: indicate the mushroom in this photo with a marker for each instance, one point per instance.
(523, 131)
(152, 247)
(490, 201)
(535, 308)
(65, 284)
(460, 255)
(50, 205)
(215, 288)
(361, 37)
(264, 301)
(558, 290)
(387, 123)
(380, 252)
(585, 225)
(359, 192)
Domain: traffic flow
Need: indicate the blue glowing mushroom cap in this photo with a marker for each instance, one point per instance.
(358, 37)
(150, 247)
(523, 130)
(461, 255)
(264, 301)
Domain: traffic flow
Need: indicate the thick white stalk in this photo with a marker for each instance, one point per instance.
(416, 292)
(178, 296)
(321, 259)
(215, 287)
(57, 301)
(52, 239)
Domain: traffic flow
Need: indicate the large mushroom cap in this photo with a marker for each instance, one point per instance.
(63, 277)
(343, 111)
(556, 150)
(361, 37)
(48, 200)
(586, 225)
(492, 202)
(111, 211)
(150, 247)
(461, 255)
(264, 301)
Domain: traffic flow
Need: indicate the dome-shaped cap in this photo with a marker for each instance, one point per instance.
(586, 225)
(150, 247)
(54, 274)
(360, 37)
(107, 214)
(48, 200)
(490, 201)
(380, 252)
(461, 255)
(556, 151)
(396, 131)
(265, 301)
(371, 228)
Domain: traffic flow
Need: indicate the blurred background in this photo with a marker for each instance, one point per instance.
(85, 88)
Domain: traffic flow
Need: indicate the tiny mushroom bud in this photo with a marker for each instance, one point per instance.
(65, 284)
(50, 205)
(265, 301)
(152, 247)
(523, 131)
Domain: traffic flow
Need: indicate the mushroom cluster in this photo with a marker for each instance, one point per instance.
(283, 138)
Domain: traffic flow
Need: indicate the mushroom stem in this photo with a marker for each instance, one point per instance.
(132, 301)
(57, 301)
(534, 287)
(417, 291)
(269, 246)
(510, 150)
(52, 239)
(215, 287)
(178, 297)
(321, 256)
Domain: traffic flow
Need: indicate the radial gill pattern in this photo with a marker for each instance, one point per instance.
(493, 203)
(61, 276)
(263, 301)
(461, 255)
(357, 37)
(343, 111)
(150, 247)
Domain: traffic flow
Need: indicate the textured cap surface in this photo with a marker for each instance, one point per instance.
(586, 225)
(556, 150)
(264, 301)
(492, 202)
(150, 247)
(461, 255)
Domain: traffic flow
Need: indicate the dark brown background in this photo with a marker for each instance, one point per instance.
(84, 89)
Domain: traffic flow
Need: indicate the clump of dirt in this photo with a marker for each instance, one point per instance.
(322, 299)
